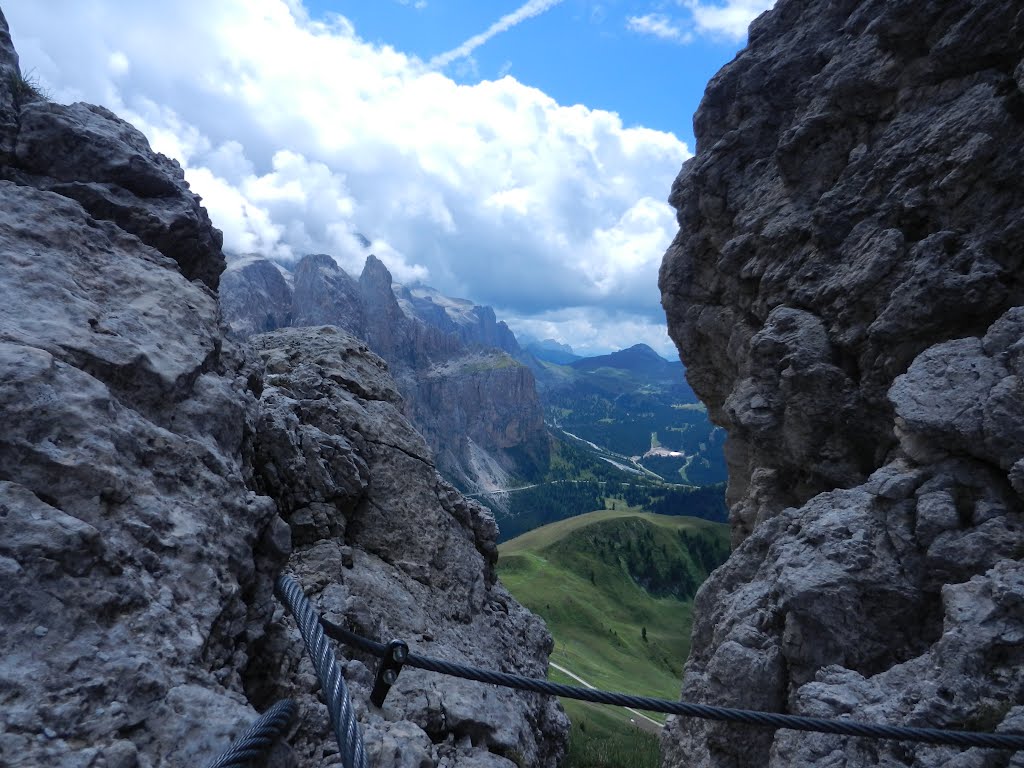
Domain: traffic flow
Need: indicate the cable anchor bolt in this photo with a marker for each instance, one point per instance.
(395, 656)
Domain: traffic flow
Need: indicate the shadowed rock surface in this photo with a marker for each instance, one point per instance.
(144, 462)
(845, 291)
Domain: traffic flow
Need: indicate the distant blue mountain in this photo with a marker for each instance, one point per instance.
(639, 359)
(552, 351)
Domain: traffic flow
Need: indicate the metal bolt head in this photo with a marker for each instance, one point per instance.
(390, 676)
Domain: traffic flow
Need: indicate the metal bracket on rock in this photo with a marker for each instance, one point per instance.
(393, 657)
(387, 671)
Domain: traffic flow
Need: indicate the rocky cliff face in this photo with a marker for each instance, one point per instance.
(134, 552)
(845, 291)
(477, 407)
(257, 296)
(474, 325)
(155, 476)
(393, 551)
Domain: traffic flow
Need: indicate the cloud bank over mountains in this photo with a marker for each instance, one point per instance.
(299, 134)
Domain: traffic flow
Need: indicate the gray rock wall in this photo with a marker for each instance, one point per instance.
(146, 462)
(391, 550)
(133, 551)
(845, 291)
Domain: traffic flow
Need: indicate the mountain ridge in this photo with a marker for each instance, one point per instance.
(639, 358)
(475, 404)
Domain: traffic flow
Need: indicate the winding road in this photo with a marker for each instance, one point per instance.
(585, 684)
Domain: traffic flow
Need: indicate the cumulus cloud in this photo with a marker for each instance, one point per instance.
(715, 19)
(658, 25)
(299, 135)
(729, 20)
(573, 326)
(526, 11)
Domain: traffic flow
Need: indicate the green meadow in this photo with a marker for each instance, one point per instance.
(615, 587)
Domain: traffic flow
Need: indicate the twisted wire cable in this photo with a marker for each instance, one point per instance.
(336, 696)
(261, 736)
(843, 727)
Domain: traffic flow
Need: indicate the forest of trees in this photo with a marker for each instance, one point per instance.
(578, 482)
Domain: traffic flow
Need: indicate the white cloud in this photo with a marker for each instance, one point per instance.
(298, 134)
(526, 11)
(659, 25)
(729, 19)
(118, 63)
(577, 328)
(715, 19)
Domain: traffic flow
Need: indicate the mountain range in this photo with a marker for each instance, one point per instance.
(476, 405)
(480, 398)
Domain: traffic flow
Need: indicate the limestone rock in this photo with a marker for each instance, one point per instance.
(847, 169)
(10, 80)
(474, 325)
(255, 296)
(144, 460)
(845, 291)
(420, 562)
(132, 558)
(326, 295)
(88, 154)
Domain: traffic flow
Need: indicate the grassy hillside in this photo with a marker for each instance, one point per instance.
(614, 587)
(604, 737)
(578, 480)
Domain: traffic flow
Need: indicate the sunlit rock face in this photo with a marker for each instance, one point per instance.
(134, 550)
(845, 291)
(391, 550)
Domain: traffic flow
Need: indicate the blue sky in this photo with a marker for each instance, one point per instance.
(518, 153)
(576, 51)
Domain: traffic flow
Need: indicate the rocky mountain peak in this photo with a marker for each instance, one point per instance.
(475, 325)
(375, 278)
(477, 408)
(324, 294)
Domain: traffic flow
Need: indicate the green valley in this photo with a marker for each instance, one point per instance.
(581, 480)
(615, 587)
(636, 404)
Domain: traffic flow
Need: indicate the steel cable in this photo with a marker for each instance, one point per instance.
(841, 727)
(336, 696)
(261, 736)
